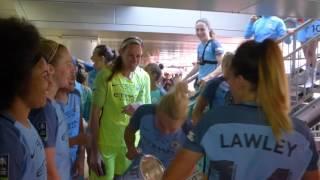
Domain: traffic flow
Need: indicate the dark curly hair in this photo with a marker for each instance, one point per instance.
(19, 53)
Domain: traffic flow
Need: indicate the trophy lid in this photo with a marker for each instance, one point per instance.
(151, 168)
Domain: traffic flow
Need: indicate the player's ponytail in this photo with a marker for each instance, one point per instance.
(272, 89)
(262, 65)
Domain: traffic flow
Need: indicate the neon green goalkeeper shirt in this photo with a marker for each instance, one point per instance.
(112, 96)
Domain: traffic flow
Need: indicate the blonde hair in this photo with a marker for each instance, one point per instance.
(175, 103)
(51, 50)
(262, 65)
(227, 61)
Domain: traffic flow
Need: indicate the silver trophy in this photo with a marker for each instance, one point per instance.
(151, 168)
(148, 168)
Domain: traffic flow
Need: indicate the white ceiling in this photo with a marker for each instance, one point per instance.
(93, 17)
(107, 19)
(172, 29)
(302, 8)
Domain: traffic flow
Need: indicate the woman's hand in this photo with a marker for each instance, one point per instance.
(131, 108)
(254, 18)
(95, 163)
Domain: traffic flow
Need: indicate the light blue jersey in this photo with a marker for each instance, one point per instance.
(92, 77)
(309, 32)
(36, 149)
(46, 123)
(266, 27)
(152, 141)
(72, 113)
(240, 144)
(156, 95)
(217, 92)
(63, 159)
(209, 54)
(21, 152)
(86, 100)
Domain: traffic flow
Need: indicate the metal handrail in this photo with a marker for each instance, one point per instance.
(302, 45)
(306, 23)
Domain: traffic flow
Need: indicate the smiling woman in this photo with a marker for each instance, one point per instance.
(125, 83)
(209, 54)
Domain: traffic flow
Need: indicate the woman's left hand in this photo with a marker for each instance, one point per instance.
(131, 108)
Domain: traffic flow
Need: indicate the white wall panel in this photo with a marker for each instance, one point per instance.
(156, 16)
(68, 12)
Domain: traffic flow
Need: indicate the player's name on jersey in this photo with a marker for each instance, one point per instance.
(257, 141)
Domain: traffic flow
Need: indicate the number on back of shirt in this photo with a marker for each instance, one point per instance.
(226, 170)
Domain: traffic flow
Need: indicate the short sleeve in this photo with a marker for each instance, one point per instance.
(218, 48)
(249, 31)
(142, 111)
(193, 142)
(46, 123)
(13, 158)
(281, 29)
(210, 89)
(100, 89)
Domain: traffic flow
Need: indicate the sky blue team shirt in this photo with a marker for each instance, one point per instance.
(152, 141)
(217, 92)
(63, 158)
(309, 32)
(22, 153)
(36, 149)
(91, 77)
(266, 27)
(46, 123)
(240, 145)
(72, 113)
(213, 49)
(156, 95)
(15, 154)
(86, 100)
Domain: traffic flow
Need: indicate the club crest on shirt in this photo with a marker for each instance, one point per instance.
(42, 130)
(4, 165)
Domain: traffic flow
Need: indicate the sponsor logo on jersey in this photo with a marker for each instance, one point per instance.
(42, 130)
